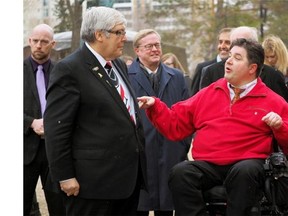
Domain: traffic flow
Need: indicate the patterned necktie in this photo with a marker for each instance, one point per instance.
(121, 90)
(111, 74)
(40, 82)
(237, 92)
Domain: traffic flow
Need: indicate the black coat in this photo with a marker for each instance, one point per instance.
(271, 77)
(195, 84)
(162, 154)
(32, 110)
(89, 132)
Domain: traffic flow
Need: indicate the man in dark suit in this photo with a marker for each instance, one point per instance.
(271, 77)
(35, 161)
(223, 52)
(94, 137)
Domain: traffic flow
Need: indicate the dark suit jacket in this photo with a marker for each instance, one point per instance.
(271, 77)
(32, 110)
(195, 85)
(89, 132)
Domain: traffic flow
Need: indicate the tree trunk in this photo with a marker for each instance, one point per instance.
(75, 12)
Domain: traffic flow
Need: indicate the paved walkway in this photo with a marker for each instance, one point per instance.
(41, 199)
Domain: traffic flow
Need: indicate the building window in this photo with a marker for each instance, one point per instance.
(46, 12)
(45, 2)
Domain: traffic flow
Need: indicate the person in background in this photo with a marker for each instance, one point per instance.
(271, 77)
(94, 136)
(127, 59)
(149, 76)
(276, 54)
(223, 52)
(35, 160)
(171, 60)
(236, 121)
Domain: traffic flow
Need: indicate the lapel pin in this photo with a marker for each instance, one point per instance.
(95, 68)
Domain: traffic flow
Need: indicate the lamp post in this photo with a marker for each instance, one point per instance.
(263, 16)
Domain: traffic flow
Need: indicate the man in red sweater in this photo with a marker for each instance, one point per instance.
(233, 139)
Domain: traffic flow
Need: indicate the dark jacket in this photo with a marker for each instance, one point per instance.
(89, 132)
(162, 154)
(32, 110)
(195, 85)
(271, 77)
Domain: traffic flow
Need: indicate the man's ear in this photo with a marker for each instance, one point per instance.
(136, 50)
(53, 43)
(253, 68)
(99, 35)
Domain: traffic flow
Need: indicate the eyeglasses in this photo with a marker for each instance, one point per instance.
(150, 46)
(117, 32)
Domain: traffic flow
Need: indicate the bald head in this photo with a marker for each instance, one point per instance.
(41, 43)
(244, 32)
(43, 29)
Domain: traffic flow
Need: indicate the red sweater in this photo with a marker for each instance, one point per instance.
(225, 133)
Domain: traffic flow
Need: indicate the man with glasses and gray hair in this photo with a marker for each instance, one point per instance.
(95, 140)
(149, 76)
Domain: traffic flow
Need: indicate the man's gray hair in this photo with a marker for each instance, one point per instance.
(100, 18)
(246, 32)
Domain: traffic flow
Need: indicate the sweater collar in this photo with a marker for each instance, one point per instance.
(259, 89)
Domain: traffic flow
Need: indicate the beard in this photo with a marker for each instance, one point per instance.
(39, 56)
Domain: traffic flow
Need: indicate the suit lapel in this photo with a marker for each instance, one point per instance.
(31, 79)
(144, 82)
(164, 79)
(100, 74)
(98, 71)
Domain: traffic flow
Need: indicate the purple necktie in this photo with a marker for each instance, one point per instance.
(40, 81)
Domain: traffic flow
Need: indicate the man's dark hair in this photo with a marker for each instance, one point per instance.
(255, 52)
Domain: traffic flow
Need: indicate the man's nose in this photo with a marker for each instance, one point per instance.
(124, 38)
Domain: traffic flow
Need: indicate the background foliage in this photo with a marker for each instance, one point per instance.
(194, 24)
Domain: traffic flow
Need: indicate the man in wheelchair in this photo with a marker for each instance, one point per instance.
(233, 139)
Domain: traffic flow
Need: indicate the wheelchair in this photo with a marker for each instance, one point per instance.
(276, 166)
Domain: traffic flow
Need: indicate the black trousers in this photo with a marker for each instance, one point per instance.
(39, 167)
(243, 180)
(76, 206)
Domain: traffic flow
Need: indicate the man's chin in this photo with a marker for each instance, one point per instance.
(39, 56)
(224, 56)
(227, 76)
